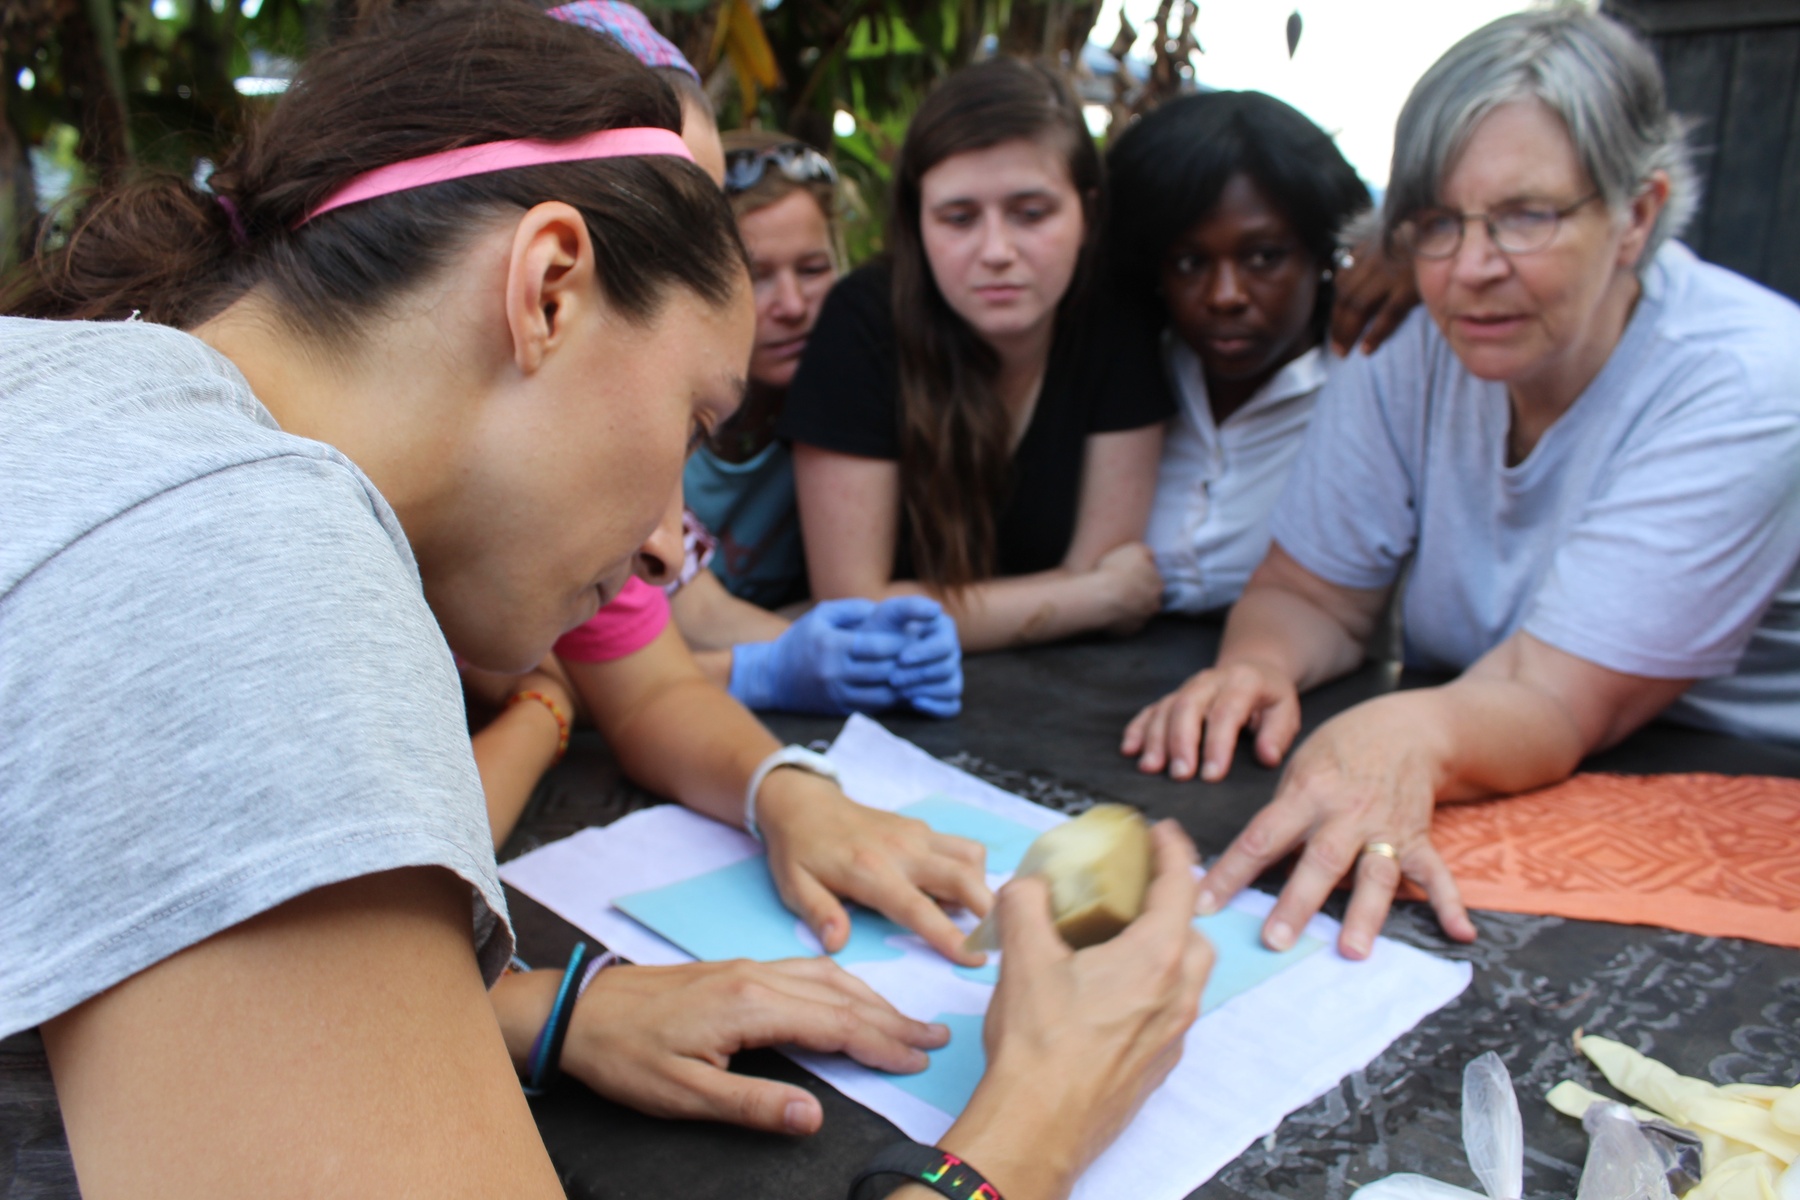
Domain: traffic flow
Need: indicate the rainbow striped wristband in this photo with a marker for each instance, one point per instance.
(939, 1170)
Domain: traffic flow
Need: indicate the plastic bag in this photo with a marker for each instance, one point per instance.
(1493, 1138)
(1622, 1164)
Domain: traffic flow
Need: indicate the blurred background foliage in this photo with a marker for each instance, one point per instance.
(93, 88)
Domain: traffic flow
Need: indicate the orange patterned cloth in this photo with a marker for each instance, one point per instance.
(1709, 854)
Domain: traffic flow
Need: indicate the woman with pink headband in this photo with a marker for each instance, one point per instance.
(422, 368)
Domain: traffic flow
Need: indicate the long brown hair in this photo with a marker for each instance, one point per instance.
(423, 80)
(954, 432)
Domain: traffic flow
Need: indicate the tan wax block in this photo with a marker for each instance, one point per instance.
(1098, 868)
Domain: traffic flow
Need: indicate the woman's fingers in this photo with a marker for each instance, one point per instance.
(890, 892)
(962, 849)
(1169, 730)
(875, 647)
(1359, 292)
(1137, 729)
(1330, 853)
(1173, 889)
(1274, 831)
(1427, 866)
(1028, 937)
(1276, 728)
(817, 1004)
(704, 1092)
(940, 707)
(1393, 311)
(813, 903)
(1377, 879)
(1231, 710)
(959, 881)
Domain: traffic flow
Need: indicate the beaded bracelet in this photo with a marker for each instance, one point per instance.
(939, 1170)
(562, 722)
(544, 1063)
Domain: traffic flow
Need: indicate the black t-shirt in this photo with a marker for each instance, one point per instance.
(1103, 377)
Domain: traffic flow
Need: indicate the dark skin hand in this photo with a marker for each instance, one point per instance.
(1375, 291)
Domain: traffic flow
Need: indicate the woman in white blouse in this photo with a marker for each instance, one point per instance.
(1227, 210)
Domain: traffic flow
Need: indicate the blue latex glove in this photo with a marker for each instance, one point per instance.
(829, 661)
(928, 670)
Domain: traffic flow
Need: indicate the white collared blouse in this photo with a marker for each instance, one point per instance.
(1209, 525)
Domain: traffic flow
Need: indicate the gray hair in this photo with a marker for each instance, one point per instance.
(1588, 70)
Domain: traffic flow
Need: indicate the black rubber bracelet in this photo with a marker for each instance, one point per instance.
(546, 1058)
(942, 1172)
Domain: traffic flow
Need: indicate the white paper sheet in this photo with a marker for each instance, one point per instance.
(1245, 1065)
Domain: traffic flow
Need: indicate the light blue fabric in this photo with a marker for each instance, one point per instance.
(750, 508)
(220, 684)
(1653, 530)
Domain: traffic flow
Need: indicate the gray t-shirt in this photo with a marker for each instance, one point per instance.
(220, 685)
(1653, 530)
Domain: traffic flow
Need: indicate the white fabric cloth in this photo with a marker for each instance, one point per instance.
(1653, 530)
(1245, 1065)
(1209, 525)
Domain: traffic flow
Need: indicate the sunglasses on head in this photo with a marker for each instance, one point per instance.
(802, 164)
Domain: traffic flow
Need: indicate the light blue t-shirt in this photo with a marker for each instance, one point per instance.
(220, 684)
(750, 508)
(1653, 530)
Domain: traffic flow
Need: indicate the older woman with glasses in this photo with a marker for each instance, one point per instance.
(1588, 447)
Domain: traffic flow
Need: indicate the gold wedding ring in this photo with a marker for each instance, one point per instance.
(1385, 849)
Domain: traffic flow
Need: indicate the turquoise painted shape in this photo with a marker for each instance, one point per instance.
(1243, 961)
(1006, 841)
(955, 1069)
(735, 912)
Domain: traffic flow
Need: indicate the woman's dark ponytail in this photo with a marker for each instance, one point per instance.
(150, 246)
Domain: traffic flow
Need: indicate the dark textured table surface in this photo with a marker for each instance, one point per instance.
(1045, 724)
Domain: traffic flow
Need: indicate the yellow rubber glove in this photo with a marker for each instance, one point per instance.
(1702, 1107)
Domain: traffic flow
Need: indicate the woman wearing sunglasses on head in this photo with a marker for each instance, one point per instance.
(739, 486)
(1588, 446)
(970, 422)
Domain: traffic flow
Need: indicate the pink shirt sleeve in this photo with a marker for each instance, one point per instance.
(626, 625)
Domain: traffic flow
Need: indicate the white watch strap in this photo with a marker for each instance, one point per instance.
(787, 756)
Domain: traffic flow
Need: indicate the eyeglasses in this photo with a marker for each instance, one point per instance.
(1518, 228)
(802, 164)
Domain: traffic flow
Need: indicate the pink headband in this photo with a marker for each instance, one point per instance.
(489, 157)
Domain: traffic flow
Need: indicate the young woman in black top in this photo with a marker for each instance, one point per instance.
(970, 422)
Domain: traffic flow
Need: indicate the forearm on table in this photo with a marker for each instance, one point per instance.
(1019, 610)
(711, 618)
(512, 752)
(1282, 629)
(1526, 713)
(1494, 736)
(692, 742)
